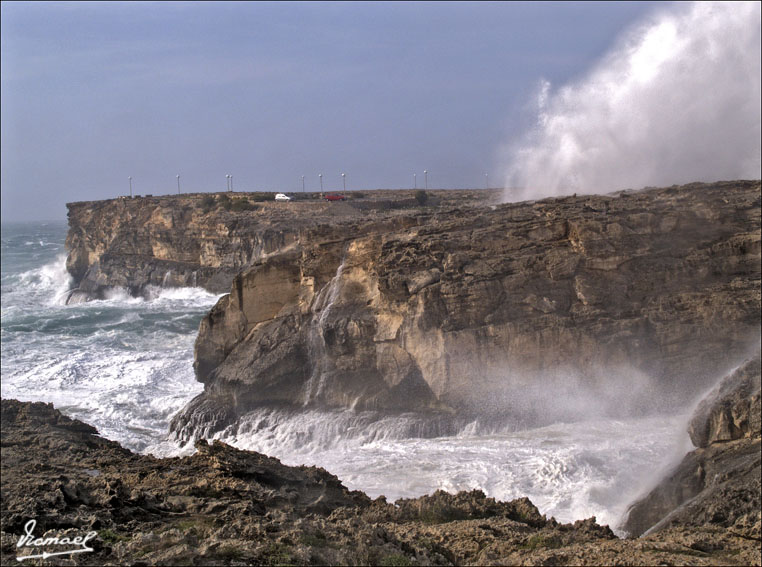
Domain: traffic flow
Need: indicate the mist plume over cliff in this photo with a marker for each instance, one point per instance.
(677, 100)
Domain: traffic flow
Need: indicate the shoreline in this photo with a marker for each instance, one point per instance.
(224, 506)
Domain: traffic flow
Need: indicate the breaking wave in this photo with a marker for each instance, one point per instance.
(677, 100)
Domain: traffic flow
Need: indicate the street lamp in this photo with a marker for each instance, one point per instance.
(426, 177)
(415, 181)
(178, 183)
(320, 175)
(344, 179)
(302, 183)
(486, 181)
(130, 178)
(227, 182)
(231, 182)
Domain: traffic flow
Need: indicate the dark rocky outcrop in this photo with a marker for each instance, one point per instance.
(223, 506)
(732, 410)
(720, 483)
(622, 303)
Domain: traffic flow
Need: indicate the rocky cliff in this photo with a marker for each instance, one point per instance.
(206, 239)
(625, 303)
(223, 506)
(721, 481)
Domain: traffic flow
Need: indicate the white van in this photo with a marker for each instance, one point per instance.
(282, 197)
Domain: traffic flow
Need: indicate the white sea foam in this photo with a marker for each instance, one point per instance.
(125, 366)
(190, 294)
(50, 281)
(677, 100)
(569, 470)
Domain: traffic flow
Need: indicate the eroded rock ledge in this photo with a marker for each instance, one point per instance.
(223, 506)
(637, 301)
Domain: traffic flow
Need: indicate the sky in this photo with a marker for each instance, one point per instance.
(93, 93)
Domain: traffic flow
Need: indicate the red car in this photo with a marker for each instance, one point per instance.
(334, 197)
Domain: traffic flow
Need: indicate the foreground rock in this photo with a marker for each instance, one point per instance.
(620, 304)
(223, 506)
(721, 481)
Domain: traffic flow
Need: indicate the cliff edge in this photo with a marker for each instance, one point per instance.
(205, 239)
(619, 304)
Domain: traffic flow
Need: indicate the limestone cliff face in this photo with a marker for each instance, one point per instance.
(167, 241)
(499, 310)
(193, 240)
(720, 482)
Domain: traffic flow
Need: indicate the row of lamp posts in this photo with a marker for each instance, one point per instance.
(178, 183)
(425, 179)
(320, 176)
(229, 179)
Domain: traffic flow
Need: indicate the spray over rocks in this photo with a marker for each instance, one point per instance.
(677, 100)
(620, 305)
(419, 332)
(224, 506)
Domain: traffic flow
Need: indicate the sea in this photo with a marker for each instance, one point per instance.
(125, 365)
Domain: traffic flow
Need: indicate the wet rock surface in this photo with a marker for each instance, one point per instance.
(720, 482)
(637, 300)
(223, 506)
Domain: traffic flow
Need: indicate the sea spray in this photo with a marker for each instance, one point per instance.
(569, 470)
(677, 100)
(50, 282)
(318, 356)
(123, 364)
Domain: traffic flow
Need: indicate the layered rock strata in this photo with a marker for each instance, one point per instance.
(223, 506)
(621, 304)
(193, 240)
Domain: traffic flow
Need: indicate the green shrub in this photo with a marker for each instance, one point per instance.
(225, 202)
(208, 203)
(260, 197)
(277, 554)
(439, 513)
(242, 204)
(541, 540)
(111, 536)
(421, 196)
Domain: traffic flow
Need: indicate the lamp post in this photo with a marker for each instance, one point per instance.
(178, 183)
(415, 181)
(231, 183)
(130, 178)
(486, 181)
(426, 178)
(227, 182)
(344, 179)
(320, 175)
(302, 183)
